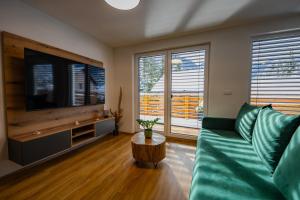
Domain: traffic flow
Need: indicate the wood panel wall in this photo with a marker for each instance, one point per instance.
(18, 120)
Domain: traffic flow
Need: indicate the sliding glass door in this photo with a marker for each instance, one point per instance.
(151, 88)
(187, 90)
(172, 87)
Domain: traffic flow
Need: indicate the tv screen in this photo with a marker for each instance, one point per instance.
(55, 82)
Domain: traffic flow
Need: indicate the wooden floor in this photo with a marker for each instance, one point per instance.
(105, 170)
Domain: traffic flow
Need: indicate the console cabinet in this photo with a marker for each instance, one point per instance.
(105, 127)
(33, 150)
(32, 147)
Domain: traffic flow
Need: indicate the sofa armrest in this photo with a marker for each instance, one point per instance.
(218, 123)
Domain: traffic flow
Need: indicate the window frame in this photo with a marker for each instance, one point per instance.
(167, 82)
(136, 99)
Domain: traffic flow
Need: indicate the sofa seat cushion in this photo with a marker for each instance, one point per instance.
(226, 167)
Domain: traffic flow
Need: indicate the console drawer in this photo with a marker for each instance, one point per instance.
(30, 151)
(105, 127)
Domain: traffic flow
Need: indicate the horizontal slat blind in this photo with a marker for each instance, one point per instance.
(275, 77)
(187, 87)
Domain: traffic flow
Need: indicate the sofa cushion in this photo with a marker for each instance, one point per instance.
(287, 174)
(227, 168)
(246, 119)
(272, 133)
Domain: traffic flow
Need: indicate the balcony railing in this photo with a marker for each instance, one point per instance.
(185, 106)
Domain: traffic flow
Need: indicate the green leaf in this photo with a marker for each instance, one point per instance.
(147, 124)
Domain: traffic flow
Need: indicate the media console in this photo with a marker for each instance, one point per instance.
(38, 135)
(31, 147)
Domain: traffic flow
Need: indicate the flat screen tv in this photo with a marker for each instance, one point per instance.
(56, 82)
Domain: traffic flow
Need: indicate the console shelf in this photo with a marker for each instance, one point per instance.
(31, 147)
(82, 138)
(82, 133)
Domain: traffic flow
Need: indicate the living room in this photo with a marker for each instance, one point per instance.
(150, 99)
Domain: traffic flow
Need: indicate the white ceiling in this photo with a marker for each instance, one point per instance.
(160, 18)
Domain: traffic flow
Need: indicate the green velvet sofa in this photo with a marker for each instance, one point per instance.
(227, 167)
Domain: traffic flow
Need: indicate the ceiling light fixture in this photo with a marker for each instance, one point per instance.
(123, 4)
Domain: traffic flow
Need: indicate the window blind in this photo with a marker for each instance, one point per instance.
(187, 87)
(275, 76)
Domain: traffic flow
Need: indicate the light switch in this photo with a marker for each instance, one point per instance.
(227, 92)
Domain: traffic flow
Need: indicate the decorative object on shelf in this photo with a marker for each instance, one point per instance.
(99, 114)
(77, 123)
(105, 112)
(118, 114)
(37, 132)
(147, 125)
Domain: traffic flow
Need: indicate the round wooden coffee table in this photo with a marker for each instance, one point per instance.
(148, 150)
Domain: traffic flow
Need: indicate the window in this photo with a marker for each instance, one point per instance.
(275, 76)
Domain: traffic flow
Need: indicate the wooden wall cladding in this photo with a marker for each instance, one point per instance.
(18, 121)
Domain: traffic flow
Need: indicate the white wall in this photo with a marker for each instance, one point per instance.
(229, 67)
(19, 18)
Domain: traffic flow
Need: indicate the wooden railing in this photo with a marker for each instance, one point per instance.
(187, 106)
(287, 106)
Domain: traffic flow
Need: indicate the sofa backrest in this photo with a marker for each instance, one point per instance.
(287, 174)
